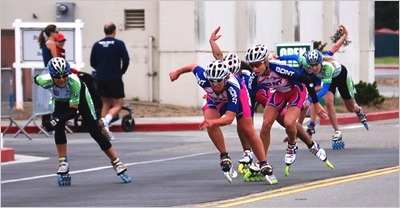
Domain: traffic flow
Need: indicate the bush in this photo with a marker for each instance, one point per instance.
(368, 94)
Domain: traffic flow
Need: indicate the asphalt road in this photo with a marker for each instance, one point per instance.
(182, 169)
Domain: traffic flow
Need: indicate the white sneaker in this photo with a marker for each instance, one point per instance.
(111, 138)
(104, 128)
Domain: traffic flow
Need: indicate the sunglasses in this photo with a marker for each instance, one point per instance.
(64, 76)
(215, 80)
(313, 64)
(55, 31)
(256, 64)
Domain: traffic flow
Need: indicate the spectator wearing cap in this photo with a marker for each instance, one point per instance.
(48, 44)
(60, 45)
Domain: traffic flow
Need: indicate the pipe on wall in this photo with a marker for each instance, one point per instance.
(150, 73)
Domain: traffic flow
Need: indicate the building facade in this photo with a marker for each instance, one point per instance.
(164, 35)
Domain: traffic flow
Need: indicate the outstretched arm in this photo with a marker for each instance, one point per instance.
(341, 40)
(217, 53)
(174, 75)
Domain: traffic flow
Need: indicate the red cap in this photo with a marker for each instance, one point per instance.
(61, 37)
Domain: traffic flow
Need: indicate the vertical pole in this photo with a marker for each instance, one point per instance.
(17, 65)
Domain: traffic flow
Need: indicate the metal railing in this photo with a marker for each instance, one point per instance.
(7, 100)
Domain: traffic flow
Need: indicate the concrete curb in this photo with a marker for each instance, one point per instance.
(352, 118)
(387, 67)
(7, 154)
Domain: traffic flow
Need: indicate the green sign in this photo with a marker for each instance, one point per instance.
(293, 48)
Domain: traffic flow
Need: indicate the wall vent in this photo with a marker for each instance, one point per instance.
(134, 19)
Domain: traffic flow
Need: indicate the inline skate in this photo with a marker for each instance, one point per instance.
(337, 140)
(63, 176)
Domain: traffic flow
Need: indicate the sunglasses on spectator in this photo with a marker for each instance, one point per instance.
(55, 31)
(256, 64)
(64, 76)
(215, 80)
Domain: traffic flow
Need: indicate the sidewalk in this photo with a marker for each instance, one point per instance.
(192, 123)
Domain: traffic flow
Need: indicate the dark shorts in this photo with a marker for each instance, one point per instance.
(111, 88)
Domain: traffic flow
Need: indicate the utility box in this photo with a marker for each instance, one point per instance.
(65, 12)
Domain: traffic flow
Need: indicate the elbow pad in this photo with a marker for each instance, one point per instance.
(310, 87)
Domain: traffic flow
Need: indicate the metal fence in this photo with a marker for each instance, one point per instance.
(7, 100)
(40, 102)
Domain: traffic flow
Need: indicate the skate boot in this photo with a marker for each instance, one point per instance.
(63, 176)
(105, 129)
(253, 174)
(120, 168)
(311, 129)
(245, 162)
(227, 168)
(362, 118)
(290, 157)
(267, 171)
(317, 150)
(337, 141)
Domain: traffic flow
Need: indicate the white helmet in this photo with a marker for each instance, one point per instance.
(314, 57)
(232, 61)
(256, 53)
(58, 66)
(217, 70)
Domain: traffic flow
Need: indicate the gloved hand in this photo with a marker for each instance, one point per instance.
(50, 125)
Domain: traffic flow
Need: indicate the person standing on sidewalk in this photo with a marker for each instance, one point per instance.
(110, 58)
(47, 42)
(60, 45)
(70, 94)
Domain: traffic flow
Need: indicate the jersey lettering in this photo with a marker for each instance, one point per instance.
(284, 71)
(233, 94)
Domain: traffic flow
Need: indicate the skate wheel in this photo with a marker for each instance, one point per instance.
(329, 164)
(125, 178)
(271, 179)
(234, 174)
(228, 176)
(64, 180)
(241, 169)
(246, 177)
(366, 126)
(287, 170)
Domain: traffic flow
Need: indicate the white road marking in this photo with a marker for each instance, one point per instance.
(104, 167)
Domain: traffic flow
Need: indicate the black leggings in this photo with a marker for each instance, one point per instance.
(340, 82)
(89, 120)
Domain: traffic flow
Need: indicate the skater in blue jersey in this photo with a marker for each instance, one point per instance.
(226, 99)
(242, 70)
